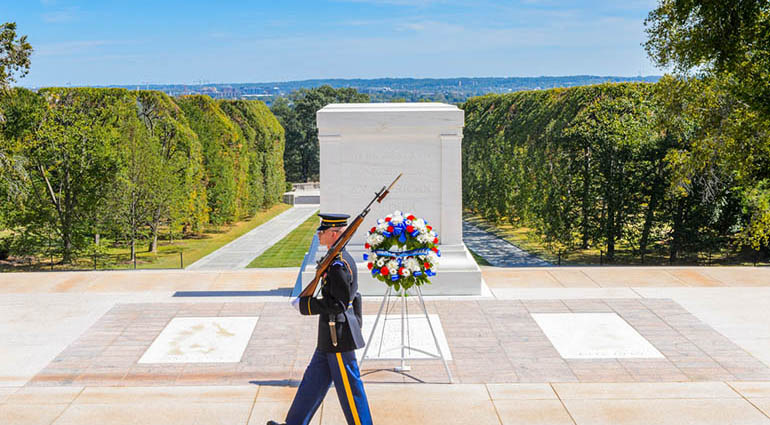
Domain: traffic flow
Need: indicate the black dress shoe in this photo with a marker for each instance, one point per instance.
(273, 423)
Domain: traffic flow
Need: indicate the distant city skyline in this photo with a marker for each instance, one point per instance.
(193, 42)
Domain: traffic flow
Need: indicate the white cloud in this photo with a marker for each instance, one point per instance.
(66, 48)
(60, 16)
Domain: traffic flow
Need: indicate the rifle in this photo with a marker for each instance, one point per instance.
(335, 249)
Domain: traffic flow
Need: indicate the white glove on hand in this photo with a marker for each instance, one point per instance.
(295, 303)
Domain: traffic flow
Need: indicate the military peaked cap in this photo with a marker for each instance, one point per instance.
(332, 220)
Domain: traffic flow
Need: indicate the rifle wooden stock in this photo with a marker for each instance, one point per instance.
(343, 240)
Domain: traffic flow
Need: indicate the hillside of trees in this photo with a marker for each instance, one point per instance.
(452, 90)
(86, 164)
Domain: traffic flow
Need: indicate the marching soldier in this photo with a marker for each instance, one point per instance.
(339, 335)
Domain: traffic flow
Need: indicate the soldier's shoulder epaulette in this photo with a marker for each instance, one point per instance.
(338, 262)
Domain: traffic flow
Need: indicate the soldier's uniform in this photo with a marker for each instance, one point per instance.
(341, 303)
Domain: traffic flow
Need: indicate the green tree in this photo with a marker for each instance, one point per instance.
(220, 139)
(14, 55)
(14, 63)
(298, 117)
(72, 160)
(179, 195)
(724, 37)
(727, 45)
(138, 187)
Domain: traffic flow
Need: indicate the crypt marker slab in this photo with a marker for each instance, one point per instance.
(201, 340)
(594, 336)
(386, 343)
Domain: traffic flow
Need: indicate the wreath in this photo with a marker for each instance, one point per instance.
(402, 251)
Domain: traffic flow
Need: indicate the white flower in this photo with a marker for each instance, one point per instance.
(378, 239)
(382, 226)
(419, 223)
(397, 219)
(406, 272)
(380, 262)
(412, 264)
(380, 221)
(432, 258)
(393, 267)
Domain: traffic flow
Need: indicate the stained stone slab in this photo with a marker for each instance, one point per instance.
(201, 340)
(594, 336)
(386, 342)
(491, 341)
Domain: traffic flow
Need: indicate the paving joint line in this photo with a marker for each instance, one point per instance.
(677, 278)
(550, 384)
(68, 406)
(253, 403)
(548, 272)
(591, 279)
(747, 399)
(494, 406)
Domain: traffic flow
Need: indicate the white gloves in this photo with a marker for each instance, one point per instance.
(295, 303)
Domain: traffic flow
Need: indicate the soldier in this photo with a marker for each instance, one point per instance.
(339, 335)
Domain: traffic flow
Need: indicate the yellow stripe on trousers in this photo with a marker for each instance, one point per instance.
(351, 403)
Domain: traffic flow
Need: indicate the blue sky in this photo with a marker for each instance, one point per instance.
(136, 41)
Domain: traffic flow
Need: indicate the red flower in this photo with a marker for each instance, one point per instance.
(429, 228)
(390, 229)
(370, 265)
(435, 240)
(411, 217)
(434, 249)
(409, 229)
(387, 219)
(427, 265)
(401, 271)
(384, 271)
(374, 229)
(367, 246)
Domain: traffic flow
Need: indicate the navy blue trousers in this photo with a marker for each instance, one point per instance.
(325, 368)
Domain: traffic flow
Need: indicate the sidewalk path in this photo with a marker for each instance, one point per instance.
(498, 252)
(239, 253)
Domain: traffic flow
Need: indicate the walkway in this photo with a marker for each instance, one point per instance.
(498, 252)
(239, 253)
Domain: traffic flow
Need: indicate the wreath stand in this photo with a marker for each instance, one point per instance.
(404, 346)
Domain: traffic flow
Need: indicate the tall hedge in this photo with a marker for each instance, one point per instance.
(222, 141)
(91, 162)
(586, 167)
(265, 139)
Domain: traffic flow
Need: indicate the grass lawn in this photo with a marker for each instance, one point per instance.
(289, 251)
(479, 259)
(168, 255)
(524, 239)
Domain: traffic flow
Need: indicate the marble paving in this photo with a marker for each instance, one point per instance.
(491, 341)
(387, 337)
(594, 336)
(201, 340)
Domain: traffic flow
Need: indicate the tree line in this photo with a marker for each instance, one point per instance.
(86, 163)
(682, 165)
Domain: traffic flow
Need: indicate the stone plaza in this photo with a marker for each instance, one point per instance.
(665, 346)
